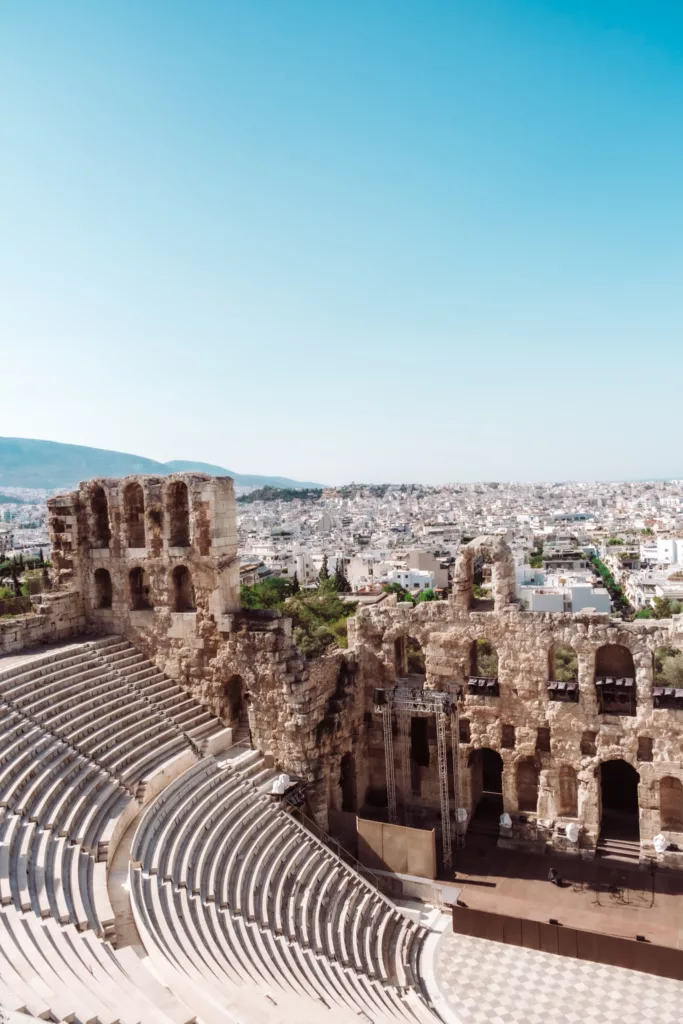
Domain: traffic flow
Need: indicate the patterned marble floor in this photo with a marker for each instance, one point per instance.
(486, 982)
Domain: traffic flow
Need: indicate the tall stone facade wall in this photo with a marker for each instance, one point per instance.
(524, 640)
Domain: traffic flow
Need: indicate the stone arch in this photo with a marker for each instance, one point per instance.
(568, 792)
(563, 664)
(614, 660)
(178, 506)
(563, 673)
(183, 591)
(668, 666)
(483, 659)
(415, 657)
(103, 591)
(503, 574)
(615, 674)
(99, 508)
(134, 515)
(139, 590)
(526, 781)
(671, 803)
(347, 782)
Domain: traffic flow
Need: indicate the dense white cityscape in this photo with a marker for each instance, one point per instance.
(410, 535)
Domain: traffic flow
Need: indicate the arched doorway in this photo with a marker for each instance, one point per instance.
(103, 591)
(619, 800)
(486, 777)
(237, 712)
(671, 803)
(526, 779)
(347, 782)
(183, 591)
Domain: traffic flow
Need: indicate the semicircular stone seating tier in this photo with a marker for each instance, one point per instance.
(229, 891)
(258, 916)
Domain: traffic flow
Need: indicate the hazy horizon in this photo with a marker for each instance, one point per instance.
(330, 242)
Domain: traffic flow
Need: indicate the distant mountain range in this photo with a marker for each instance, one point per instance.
(26, 462)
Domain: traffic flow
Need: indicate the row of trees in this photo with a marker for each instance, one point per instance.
(621, 602)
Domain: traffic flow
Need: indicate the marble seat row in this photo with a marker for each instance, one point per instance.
(160, 692)
(56, 972)
(220, 866)
(89, 707)
(55, 876)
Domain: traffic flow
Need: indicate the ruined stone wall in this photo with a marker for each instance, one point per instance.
(523, 640)
(306, 715)
(54, 617)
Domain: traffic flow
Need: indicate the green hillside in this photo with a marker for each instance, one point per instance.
(27, 462)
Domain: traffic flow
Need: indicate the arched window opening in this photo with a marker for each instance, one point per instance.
(563, 673)
(668, 677)
(134, 515)
(103, 594)
(140, 594)
(179, 515)
(483, 677)
(347, 782)
(99, 508)
(527, 786)
(415, 657)
(568, 798)
(183, 591)
(671, 803)
(615, 680)
(619, 798)
(482, 583)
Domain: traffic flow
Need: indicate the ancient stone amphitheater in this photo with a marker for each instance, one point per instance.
(231, 910)
(148, 869)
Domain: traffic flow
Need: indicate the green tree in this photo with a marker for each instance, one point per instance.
(324, 573)
(664, 608)
(427, 595)
(396, 588)
(295, 583)
(341, 583)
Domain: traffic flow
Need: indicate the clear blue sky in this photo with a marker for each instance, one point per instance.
(346, 240)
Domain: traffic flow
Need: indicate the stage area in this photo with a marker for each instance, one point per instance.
(602, 896)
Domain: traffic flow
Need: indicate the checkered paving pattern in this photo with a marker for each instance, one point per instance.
(487, 982)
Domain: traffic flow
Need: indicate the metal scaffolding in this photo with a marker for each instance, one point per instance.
(457, 782)
(404, 726)
(389, 758)
(406, 702)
